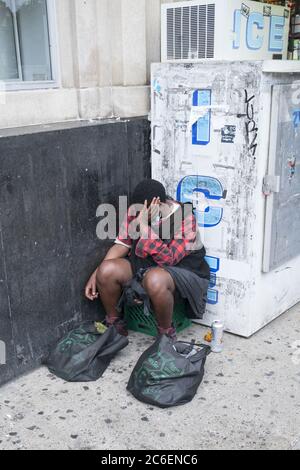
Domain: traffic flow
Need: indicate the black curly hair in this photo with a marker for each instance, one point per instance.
(148, 190)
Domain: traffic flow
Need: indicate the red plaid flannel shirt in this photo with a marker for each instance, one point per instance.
(149, 243)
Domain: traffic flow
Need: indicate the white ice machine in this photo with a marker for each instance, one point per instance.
(226, 135)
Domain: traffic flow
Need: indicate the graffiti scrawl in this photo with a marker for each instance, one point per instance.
(292, 167)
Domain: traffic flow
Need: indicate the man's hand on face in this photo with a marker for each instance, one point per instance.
(148, 215)
(153, 210)
(91, 291)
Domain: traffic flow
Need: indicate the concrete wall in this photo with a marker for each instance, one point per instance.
(104, 52)
(48, 242)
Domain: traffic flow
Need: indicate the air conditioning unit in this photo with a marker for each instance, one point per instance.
(224, 29)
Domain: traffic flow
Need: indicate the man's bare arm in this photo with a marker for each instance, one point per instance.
(117, 252)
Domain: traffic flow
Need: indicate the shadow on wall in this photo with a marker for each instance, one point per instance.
(51, 184)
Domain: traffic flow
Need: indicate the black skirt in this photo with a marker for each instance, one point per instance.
(191, 277)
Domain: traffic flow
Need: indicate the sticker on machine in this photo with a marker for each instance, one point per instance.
(228, 134)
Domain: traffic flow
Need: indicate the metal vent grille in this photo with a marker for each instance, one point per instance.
(191, 32)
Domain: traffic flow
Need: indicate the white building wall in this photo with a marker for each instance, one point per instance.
(105, 48)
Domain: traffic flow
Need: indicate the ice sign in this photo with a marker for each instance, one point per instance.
(204, 192)
(257, 30)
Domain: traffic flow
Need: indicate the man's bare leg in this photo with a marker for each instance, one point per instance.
(160, 287)
(112, 275)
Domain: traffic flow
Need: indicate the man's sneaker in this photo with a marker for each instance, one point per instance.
(119, 324)
(170, 332)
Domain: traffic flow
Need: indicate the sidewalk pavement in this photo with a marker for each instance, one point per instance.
(250, 399)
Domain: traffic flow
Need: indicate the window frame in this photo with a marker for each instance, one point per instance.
(20, 84)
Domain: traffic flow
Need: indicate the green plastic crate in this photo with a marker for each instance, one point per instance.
(139, 322)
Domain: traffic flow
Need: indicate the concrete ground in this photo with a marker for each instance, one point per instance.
(250, 399)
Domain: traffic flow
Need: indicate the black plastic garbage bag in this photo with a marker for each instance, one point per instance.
(84, 354)
(168, 374)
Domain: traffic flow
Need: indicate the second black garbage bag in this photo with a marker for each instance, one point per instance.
(84, 354)
(169, 374)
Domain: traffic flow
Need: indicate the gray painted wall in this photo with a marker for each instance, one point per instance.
(51, 184)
